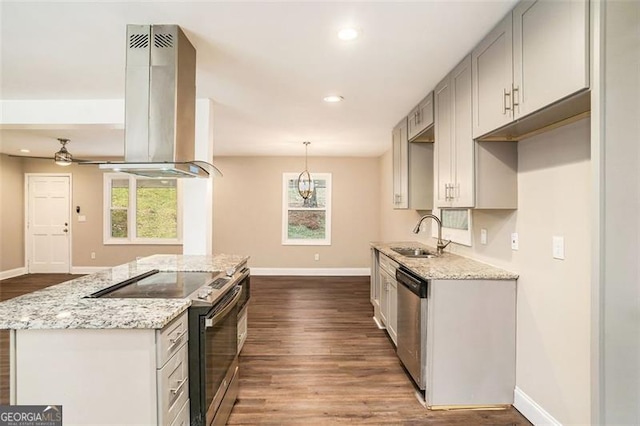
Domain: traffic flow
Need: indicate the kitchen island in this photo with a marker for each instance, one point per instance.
(106, 361)
(453, 320)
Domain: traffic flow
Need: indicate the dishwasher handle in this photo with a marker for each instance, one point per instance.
(414, 283)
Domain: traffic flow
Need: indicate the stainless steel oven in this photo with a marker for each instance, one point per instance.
(213, 360)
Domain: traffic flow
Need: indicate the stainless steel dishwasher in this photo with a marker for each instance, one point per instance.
(412, 324)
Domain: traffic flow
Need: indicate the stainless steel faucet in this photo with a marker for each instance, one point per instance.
(440, 246)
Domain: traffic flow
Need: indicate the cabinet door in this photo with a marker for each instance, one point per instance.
(443, 143)
(461, 118)
(550, 52)
(400, 166)
(493, 79)
(392, 315)
(384, 297)
(421, 117)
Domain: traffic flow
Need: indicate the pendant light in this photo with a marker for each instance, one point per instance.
(63, 157)
(305, 183)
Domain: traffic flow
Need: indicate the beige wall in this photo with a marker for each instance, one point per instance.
(86, 236)
(11, 213)
(248, 211)
(553, 328)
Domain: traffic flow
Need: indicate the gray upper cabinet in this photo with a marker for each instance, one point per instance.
(421, 120)
(536, 56)
(454, 146)
(412, 170)
(469, 173)
(492, 67)
(400, 165)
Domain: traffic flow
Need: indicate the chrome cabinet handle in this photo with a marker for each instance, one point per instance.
(177, 339)
(515, 102)
(180, 385)
(506, 104)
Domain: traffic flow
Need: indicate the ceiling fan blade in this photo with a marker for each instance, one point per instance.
(29, 156)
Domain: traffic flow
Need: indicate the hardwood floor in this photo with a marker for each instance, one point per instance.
(314, 356)
(14, 287)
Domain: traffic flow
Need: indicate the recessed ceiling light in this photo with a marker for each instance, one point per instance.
(333, 98)
(25, 150)
(348, 34)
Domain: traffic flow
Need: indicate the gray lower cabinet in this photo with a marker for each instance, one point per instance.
(471, 342)
(384, 289)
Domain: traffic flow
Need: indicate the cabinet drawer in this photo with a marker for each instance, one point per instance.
(171, 338)
(173, 385)
(183, 418)
(388, 265)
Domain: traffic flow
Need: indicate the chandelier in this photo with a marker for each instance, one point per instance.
(305, 183)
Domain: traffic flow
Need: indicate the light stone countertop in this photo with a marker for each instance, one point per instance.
(64, 305)
(447, 266)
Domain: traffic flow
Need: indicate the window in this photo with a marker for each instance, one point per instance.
(456, 225)
(306, 222)
(140, 210)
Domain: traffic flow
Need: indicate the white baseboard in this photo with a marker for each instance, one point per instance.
(87, 269)
(531, 410)
(13, 273)
(321, 272)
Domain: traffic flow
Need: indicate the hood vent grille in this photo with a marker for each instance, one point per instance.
(138, 41)
(163, 40)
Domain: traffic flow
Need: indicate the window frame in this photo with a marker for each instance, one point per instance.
(132, 238)
(286, 177)
(458, 236)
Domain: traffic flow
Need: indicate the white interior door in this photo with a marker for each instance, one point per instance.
(48, 220)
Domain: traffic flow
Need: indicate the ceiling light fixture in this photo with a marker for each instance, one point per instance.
(347, 34)
(63, 157)
(333, 98)
(25, 150)
(305, 183)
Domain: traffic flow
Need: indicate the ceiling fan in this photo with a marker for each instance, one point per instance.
(62, 158)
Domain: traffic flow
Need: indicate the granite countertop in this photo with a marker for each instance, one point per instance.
(64, 305)
(447, 266)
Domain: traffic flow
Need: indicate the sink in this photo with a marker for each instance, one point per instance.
(414, 252)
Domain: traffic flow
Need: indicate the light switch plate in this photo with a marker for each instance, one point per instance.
(82, 218)
(514, 241)
(483, 236)
(558, 247)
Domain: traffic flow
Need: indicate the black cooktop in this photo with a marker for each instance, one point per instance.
(158, 285)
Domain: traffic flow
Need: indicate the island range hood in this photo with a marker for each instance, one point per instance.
(160, 105)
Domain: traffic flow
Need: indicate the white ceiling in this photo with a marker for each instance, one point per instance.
(265, 65)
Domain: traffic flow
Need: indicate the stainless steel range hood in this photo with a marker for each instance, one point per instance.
(160, 105)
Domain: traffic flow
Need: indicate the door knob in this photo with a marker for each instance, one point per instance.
(66, 224)
(65, 230)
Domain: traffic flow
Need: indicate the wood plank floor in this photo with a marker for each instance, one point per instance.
(314, 356)
(14, 287)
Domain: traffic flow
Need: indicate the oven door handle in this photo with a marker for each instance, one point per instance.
(210, 322)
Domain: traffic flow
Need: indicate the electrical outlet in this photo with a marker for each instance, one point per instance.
(514, 241)
(317, 256)
(93, 254)
(558, 247)
(483, 236)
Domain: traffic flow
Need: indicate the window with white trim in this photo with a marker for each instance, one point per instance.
(140, 210)
(306, 222)
(456, 225)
